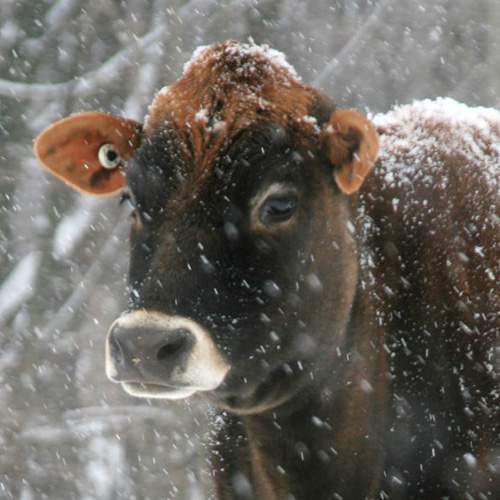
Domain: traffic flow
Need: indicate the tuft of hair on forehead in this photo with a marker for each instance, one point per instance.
(227, 88)
(245, 58)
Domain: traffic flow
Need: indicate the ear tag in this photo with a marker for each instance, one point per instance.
(108, 156)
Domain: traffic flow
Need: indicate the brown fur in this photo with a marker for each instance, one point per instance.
(238, 92)
(384, 381)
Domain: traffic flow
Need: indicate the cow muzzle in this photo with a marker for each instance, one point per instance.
(154, 355)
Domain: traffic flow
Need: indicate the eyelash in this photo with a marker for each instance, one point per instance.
(275, 206)
(127, 197)
(278, 209)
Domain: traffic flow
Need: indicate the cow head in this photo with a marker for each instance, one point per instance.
(243, 264)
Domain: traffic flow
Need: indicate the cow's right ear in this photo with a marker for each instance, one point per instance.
(351, 144)
(89, 151)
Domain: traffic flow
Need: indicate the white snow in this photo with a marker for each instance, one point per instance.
(366, 386)
(470, 460)
(275, 58)
(443, 126)
(107, 460)
(19, 285)
(73, 227)
(198, 54)
(312, 121)
(162, 92)
(10, 32)
(314, 283)
(202, 116)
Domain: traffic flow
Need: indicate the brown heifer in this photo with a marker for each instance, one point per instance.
(347, 323)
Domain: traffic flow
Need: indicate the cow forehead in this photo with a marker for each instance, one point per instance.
(228, 88)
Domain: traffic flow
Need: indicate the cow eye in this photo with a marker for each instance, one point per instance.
(108, 156)
(278, 208)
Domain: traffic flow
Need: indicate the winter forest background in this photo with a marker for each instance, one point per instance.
(66, 432)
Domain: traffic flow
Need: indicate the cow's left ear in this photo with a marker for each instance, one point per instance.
(89, 151)
(350, 142)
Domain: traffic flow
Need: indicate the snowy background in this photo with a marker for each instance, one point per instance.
(66, 432)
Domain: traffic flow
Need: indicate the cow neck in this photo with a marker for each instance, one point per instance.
(319, 437)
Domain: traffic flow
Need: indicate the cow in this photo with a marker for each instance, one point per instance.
(329, 281)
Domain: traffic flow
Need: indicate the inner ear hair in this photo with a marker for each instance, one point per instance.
(346, 148)
(350, 142)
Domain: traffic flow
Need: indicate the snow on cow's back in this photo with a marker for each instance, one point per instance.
(430, 219)
(434, 197)
(426, 138)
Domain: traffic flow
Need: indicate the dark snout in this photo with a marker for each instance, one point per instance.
(148, 355)
(161, 356)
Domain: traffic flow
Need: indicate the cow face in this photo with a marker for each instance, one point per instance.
(243, 262)
(246, 263)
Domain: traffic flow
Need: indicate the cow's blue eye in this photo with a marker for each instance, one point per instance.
(278, 209)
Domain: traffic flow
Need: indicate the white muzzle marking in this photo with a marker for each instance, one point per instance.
(204, 370)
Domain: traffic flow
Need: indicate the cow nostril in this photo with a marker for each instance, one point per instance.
(115, 349)
(176, 345)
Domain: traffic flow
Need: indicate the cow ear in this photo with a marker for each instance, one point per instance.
(89, 151)
(351, 144)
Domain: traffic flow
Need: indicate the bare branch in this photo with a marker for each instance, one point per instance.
(59, 13)
(67, 310)
(85, 84)
(19, 286)
(18, 90)
(353, 45)
(90, 421)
